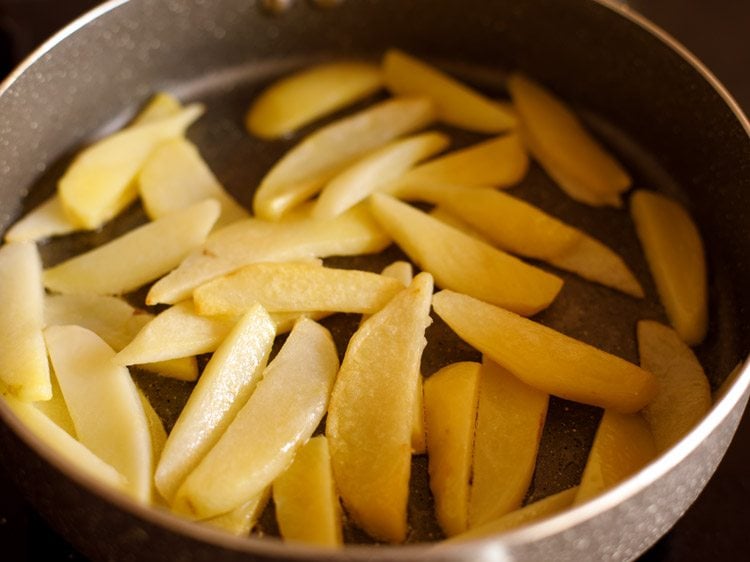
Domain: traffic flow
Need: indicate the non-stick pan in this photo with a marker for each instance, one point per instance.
(652, 103)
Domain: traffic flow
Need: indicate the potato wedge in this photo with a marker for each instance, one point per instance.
(137, 257)
(462, 263)
(309, 94)
(46, 220)
(55, 408)
(307, 504)
(223, 389)
(24, 369)
(546, 359)
(161, 106)
(104, 404)
(155, 427)
(450, 401)
(622, 446)
(684, 396)
(568, 153)
(175, 176)
(303, 171)
(253, 240)
(298, 287)
(241, 520)
(100, 182)
(457, 104)
(674, 252)
(371, 413)
(261, 441)
(375, 171)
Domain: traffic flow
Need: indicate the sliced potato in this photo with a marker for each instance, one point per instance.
(137, 257)
(161, 106)
(295, 287)
(303, 171)
(223, 389)
(155, 426)
(104, 404)
(46, 220)
(674, 252)
(568, 153)
(402, 271)
(450, 401)
(254, 240)
(241, 520)
(261, 441)
(375, 171)
(457, 104)
(684, 396)
(371, 413)
(55, 408)
(546, 359)
(462, 263)
(305, 497)
(24, 369)
(100, 182)
(307, 95)
(622, 446)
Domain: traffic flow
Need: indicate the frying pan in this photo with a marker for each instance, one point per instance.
(665, 116)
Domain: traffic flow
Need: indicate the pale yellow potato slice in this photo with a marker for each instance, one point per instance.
(24, 369)
(500, 162)
(565, 149)
(64, 445)
(305, 497)
(622, 446)
(241, 520)
(222, 390)
(46, 220)
(309, 94)
(675, 256)
(546, 359)
(684, 396)
(462, 263)
(278, 418)
(298, 287)
(520, 228)
(155, 426)
(450, 219)
(401, 271)
(161, 106)
(253, 240)
(116, 322)
(55, 408)
(104, 404)
(450, 400)
(100, 182)
(375, 171)
(175, 176)
(457, 104)
(370, 418)
(510, 420)
(137, 257)
(303, 171)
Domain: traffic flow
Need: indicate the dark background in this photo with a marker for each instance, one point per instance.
(717, 526)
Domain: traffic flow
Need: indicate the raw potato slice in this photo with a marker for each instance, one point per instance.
(279, 417)
(295, 287)
(100, 182)
(303, 171)
(161, 106)
(500, 162)
(684, 395)
(175, 176)
(24, 369)
(457, 104)
(462, 263)
(64, 445)
(622, 446)
(307, 505)
(308, 95)
(401, 271)
(104, 404)
(510, 419)
(223, 389)
(568, 153)
(46, 220)
(520, 228)
(674, 252)
(375, 171)
(155, 426)
(371, 413)
(253, 240)
(546, 359)
(450, 400)
(137, 257)
(56, 409)
(241, 520)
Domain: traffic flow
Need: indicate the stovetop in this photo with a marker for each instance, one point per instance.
(716, 527)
